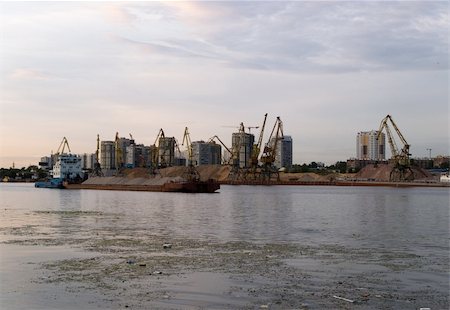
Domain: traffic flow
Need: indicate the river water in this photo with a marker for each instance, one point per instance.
(258, 246)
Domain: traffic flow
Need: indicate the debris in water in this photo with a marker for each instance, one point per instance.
(344, 299)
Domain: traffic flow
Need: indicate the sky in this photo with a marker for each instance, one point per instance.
(328, 69)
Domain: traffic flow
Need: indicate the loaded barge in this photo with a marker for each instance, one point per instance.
(148, 185)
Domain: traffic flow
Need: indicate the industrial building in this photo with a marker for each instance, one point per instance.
(206, 153)
(368, 147)
(283, 157)
(242, 146)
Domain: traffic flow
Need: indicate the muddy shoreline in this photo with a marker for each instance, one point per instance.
(133, 268)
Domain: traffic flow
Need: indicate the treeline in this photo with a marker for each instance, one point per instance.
(29, 173)
(317, 167)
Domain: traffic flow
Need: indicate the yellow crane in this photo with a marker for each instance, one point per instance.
(155, 153)
(191, 173)
(97, 167)
(270, 150)
(118, 154)
(401, 157)
(257, 147)
(62, 146)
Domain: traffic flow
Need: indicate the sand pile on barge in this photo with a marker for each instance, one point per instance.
(157, 180)
(217, 172)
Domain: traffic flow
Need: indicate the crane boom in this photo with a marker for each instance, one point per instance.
(402, 166)
(218, 139)
(257, 147)
(62, 146)
(269, 153)
(187, 139)
(404, 153)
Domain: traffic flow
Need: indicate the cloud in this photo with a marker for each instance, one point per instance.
(338, 37)
(118, 13)
(28, 74)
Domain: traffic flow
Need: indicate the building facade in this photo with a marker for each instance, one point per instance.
(242, 146)
(107, 155)
(87, 161)
(204, 153)
(368, 147)
(283, 157)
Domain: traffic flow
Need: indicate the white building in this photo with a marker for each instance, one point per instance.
(283, 157)
(242, 144)
(368, 147)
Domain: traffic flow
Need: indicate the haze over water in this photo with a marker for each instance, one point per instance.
(393, 227)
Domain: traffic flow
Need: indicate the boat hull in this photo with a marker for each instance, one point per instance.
(53, 183)
(209, 186)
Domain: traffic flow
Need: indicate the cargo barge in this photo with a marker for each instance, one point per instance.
(148, 185)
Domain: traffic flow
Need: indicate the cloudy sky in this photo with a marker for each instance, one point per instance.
(328, 69)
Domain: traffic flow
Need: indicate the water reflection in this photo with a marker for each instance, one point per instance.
(308, 215)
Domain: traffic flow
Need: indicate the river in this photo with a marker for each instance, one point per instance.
(273, 247)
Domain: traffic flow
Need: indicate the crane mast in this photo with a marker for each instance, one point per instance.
(257, 147)
(118, 154)
(97, 167)
(269, 153)
(187, 139)
(155, 154)
(191, 172)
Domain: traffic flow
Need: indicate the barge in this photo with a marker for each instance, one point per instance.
(209, 186)
(148, 185)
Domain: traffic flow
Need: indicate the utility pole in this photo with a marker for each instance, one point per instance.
(429, 150)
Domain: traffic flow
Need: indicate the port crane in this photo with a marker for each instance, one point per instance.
(270, 149)
(62, 146)
(401, 157)
(191, 173)
(256, 150)
(155, 155)
(97, 167)
(119, 153)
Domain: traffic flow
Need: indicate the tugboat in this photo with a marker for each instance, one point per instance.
(67, 169)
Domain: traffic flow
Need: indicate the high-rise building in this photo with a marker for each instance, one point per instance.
(368, 147)
(107, 155)
(242, 143)
(87, 161)
(283, 157)
(46, 163)
(130, 156)
(204, 153)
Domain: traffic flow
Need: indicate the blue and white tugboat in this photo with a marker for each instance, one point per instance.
(67, 168)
